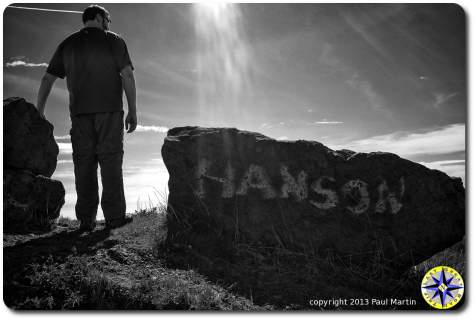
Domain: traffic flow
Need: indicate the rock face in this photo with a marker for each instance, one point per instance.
(229, 187)
(28, 141)
(31, 198)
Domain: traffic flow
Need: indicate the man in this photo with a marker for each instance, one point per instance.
(97, 67)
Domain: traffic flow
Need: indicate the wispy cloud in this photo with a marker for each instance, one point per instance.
(354, 80)
(441, 98)
(266, 126)
(66, 161)
(158, 129)
(25, 83)
(325, 121)
(375, 100)
(19, 63)
(145, 182)
(443, 140)
(65, 137)
(145, 185)
(61, 175)
(454, 168)
(65, 148)
(17, 58)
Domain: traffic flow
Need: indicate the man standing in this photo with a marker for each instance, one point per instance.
(97, 67)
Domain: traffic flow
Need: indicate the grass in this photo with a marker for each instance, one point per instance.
(288, 280)
(123, 273)
(134, 268)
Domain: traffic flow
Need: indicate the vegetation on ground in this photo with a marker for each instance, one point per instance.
(134, 268)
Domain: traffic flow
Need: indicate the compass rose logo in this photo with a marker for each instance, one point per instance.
(442, 287)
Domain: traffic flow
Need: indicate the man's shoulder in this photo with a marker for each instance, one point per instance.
(114, 35)
(71, 37)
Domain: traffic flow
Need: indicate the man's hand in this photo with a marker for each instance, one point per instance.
(128, 82)
(131, 122)
(43, 93)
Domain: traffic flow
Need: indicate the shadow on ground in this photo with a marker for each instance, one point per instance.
(36, 249)
(289, 280)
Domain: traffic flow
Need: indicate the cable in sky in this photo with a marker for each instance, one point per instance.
(42, 9)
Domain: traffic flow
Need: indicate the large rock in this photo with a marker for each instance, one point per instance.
(28, 141)
(31, 199)
(228, 187)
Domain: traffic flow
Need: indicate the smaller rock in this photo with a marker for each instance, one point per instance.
(30, 201)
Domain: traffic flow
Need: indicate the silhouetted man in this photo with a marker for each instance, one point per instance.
(97, 68)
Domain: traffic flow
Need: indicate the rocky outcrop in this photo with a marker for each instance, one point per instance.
(229, 187)
(31, 198)
(28, 141)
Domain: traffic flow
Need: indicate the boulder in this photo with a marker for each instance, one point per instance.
(31, 199)
(28, 141)
(229, 187)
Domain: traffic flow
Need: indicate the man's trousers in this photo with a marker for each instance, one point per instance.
(97, 138)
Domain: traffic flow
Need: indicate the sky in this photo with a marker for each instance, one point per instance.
(365, 77)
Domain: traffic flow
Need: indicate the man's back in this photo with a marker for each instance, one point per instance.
(91, 60)
(96, 64)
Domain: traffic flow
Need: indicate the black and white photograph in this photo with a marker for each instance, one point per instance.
(224, 156)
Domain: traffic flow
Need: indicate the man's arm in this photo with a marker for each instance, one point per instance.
(45, 88)
(128, 82)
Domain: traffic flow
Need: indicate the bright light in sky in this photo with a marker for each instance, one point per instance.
(222, 60)
(213, 8)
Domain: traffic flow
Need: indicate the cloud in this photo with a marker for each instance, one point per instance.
(146, 185)
(448, 139)
(19, 63)
(283, 138)
(328, 122)
(65, 161)
(375, 100)
(18, 58)
(65, 148)
(65, 137)
(23, 83)
(63, 175)
(441, 98)
(328, 56)
(157, 160)
(159, 129)
(454, 168)
(356, 82)
(266, 126)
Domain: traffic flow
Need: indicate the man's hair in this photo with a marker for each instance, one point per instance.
(91, 12)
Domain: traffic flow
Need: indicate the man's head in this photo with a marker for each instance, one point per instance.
(96, 16)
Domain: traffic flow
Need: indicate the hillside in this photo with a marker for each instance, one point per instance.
(129, 268)
(64, 269)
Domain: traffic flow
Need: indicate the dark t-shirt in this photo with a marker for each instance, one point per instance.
(91, 60)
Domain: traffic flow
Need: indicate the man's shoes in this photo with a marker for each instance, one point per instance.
(87, 226)
(113, 224)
